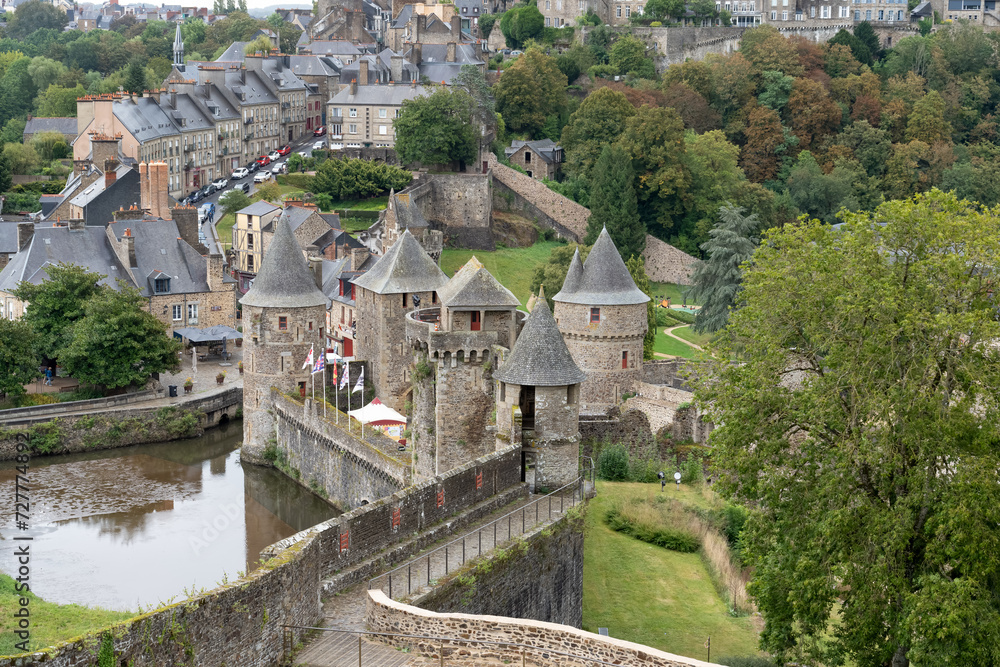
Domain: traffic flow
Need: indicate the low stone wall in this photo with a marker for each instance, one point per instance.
(541, 639)
(15, 415)
(351, 472)
(671, 372)
(631, 428)
(689, 425)
(122, 427)
(241, 622)
(538, 577)
(667, 264)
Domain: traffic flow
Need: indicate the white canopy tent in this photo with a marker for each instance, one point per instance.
(377, 413)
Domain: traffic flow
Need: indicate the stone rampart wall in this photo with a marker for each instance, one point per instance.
(667, 264)
(671, 372)
(521, 194)
(122, 427)
(385, 615)
(240, 623)
(14, 415)
(497, 585)
(632, 428)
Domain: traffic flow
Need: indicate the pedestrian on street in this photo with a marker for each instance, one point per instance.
(48, 376)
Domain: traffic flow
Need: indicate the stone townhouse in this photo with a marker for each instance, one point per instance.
(64, 126)
(540, 159)
(341, 319)
(221, 110)
(362, 115)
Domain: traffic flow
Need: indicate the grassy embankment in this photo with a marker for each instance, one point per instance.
(513, 267)
(647, 594)
(50, 623)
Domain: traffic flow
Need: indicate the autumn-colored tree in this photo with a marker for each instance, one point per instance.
(692, 108)
(927, 122)
(765, 49)
(697, 74)
(894, 115)
(840, 61)
(847, 89)
(637, 97)
(810, 54)
(916, 167)
(598, 122)
(734, 82)
(907, 88)
(758, 157)
(868, 109)
(529, 91)
(812, 114)
(654, 137)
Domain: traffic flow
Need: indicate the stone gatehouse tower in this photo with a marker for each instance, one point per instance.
(538, 400)
(383, 298)
(453, 349)
(283, 314)
(602, 317)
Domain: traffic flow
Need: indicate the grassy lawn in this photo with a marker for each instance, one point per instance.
(670, 291)
(373, 204)
(647, 594)
(513, 267)
(354, 225)
(690, 335)
(664, 344)
(224, 228)
(50, 623)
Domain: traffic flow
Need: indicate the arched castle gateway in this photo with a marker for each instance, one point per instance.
(283, 317)
(602, 317)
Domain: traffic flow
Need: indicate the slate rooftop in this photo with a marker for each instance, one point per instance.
(404, 269)
(284, 280)
(540, 357)
(604, 279)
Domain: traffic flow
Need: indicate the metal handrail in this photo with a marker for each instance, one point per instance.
(453, 640)
(575, 484)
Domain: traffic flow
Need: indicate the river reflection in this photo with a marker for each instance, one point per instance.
(139, 525)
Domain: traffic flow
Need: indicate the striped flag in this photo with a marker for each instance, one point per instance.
(347, 376)
(319, 365)
(361, 382)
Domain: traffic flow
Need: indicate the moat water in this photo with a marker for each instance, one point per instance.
(132, 527)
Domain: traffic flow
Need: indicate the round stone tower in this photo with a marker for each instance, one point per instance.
(283, 317)
(602, 317)
(538, 400)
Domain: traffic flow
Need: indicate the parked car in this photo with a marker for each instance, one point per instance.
(274, 156)
(319, 145)
(285, 150)
(242, 172)
(195, 197)
(320, 131)
(209, 189)
(221, 183)
(304, 154)
(262, 176)
(253, 167)
(263, 160)
(279, 168)
(244, 187)
(206, 212)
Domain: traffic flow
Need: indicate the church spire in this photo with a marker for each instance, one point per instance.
(178, 47)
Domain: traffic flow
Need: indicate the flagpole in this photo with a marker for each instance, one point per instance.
(324, 384)
(336, 389)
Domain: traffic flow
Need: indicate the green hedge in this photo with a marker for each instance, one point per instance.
(678, 316)
(302, 181)
(674, 540)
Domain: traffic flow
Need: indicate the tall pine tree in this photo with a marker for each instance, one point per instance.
(717, 280)
(613, 203)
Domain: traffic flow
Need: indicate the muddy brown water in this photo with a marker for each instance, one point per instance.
(139, 526)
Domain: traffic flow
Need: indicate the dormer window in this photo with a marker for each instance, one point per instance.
(161, 286)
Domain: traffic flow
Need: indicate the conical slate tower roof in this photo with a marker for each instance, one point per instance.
(404, 269)
(284, 280)
(574, 276)
(605, 280)
(540, 357)
(473, 286)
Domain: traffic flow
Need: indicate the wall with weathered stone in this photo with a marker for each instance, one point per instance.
(241, 623)
(521, 194)
(496, 584)
(667, 264)
(462, 208)
(670, 372)
(350, 471)
(689, 425)
(631, 428)
(122, 427)
(543, 639)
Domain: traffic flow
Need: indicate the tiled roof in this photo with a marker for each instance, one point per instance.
(540, 357)
(605, 280)
(405, 268)
(284, 279)
(473, 286)
(87, 247)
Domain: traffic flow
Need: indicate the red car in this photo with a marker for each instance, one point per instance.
(285, 150)
(320, 131)
(263, 160)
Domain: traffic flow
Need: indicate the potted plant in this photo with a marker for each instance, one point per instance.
(188, 385)
(220, 377)
(240, 367)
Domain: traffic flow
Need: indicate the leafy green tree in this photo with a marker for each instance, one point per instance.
(654, 138)
(856, 395)
(436, 129)
(636, 266)
(17, 90)
(600, 120)
(599, 42)
(262, 44)
(977, 180)
(135, 78)
(269, 191)
(613, 203)
(295, 163)
(870, 145)
(859, 50)
(49, 145)
(776, 89)
(817, 194)
(628, 56)
(486, 22)
(17, 356)
(12, 132)
(575, 61)
(521, 23)
(234, 200)
(45, 71)
(22, 158)
(56, 304)
(358, 179)
(483, 111)
(57, 101)
(660, 10)
(35, 14)
(927, 120)
(529, 91)
(117, 343)
(866, 35)
(5, 173)
(717, 279)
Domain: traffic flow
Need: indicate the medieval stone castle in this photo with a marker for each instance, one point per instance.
(474, 373)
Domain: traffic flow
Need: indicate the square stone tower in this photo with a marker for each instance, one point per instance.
(283, 314)
(384, 295)
(602, 317)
